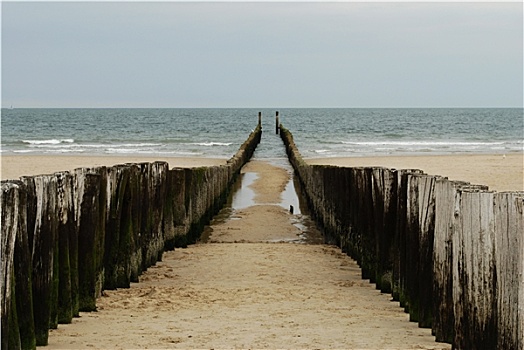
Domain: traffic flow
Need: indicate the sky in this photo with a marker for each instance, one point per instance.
(262, 54)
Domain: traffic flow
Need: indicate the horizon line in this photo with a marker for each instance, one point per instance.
(237, 107)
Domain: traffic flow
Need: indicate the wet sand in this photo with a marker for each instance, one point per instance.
(241, 291)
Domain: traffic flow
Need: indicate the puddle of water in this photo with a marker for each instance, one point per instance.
(292, 195)
(243, 195)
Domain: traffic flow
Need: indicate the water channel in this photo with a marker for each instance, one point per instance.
(271, 150)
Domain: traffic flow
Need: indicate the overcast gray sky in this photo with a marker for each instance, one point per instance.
(194, 54)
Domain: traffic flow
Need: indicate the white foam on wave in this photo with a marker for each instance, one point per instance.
(127, 150)
(100, 145)
(146, 144)
(64, 151)
(421, 143)
(183, 153)
(207, 144)
(48, 142)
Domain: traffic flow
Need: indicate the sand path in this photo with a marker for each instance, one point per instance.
(240, 291)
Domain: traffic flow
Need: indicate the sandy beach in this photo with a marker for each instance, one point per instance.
(243, 290)
(15, 166)
(500, 173)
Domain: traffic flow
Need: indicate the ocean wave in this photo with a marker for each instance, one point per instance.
(185, 153)
(422, 143)
(145, 144)
(47, 151)
(56, 151)
(94, 146)
(405, 147)
(48, 142)
(124, 150)
(189, 131)
(151, 151)
(207, 144)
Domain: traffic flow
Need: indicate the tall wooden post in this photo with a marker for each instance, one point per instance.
(277, 123)
(259, 118)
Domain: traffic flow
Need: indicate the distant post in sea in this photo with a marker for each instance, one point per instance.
(277, 123)
(259, 118)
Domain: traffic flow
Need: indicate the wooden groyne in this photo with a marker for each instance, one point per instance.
(67, 236)
(452, 253)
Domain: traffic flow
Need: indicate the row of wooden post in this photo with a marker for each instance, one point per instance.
(277, 123)
(70, 235)
(452, 253)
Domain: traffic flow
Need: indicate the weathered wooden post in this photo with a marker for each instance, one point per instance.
(66, 230)
(360, 244)
(103, 207)
(153, 180)
(348, 241)
(520, 266)
(125, 233)
(366, 223)
(398, 254)
(420, 225)
(44, 243)
(509, 254)
(277, 123)
(259, 118)
(197, 187)
(135, 215)
(10, 216)
(121, 227)
(115, 188)
(23, 266)
(87, 200)
(180, 202)
(474, 275)
(443, 322)
(412, 273)
(167, 217)
(146, 229)
(384, 194)
(519, 224)
(426, 221)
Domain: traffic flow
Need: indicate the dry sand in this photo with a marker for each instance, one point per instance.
(247, 295)
(15, 166)
(252, 294)
(500, 173)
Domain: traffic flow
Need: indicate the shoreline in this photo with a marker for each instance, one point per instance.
(500, 173)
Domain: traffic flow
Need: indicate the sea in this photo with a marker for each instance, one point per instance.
(218, 132)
